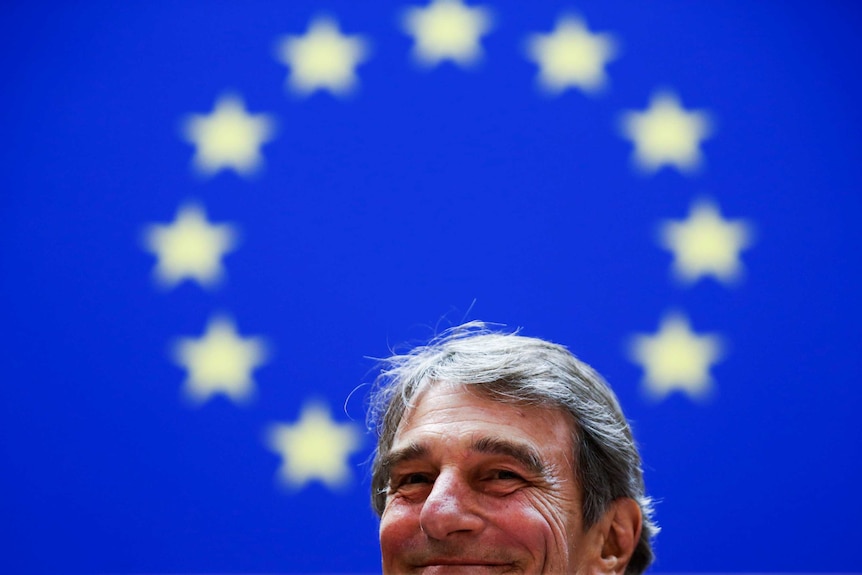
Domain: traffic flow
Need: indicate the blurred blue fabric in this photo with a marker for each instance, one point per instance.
(427, 196)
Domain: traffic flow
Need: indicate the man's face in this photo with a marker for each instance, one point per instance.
(479, 486)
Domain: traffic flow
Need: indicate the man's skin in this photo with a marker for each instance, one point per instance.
(480, 486)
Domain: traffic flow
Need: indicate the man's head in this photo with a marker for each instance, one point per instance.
(505, 452)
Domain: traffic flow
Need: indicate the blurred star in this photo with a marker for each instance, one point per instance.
(189, 248)
(706, 244)
(666, 134)
(676, 358)
(315, 447)
(228, 138)
(447, 30)
(323, 59)
(571, 56)
(220, 362)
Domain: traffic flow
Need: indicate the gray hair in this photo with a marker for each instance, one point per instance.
(511, 368)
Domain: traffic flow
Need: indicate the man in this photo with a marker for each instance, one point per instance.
(499, 453)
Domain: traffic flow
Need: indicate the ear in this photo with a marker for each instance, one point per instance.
(615, 536)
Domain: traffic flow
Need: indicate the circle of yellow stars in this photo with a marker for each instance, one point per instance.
(569, 57)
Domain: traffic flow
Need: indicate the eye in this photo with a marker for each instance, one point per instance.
(502, 482)
(415, 479)
(505, 475)
(409, 482)
(410, 487)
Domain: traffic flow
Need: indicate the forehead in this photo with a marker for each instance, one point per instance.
(453, 413)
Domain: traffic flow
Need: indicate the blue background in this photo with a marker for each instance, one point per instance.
(427, 198)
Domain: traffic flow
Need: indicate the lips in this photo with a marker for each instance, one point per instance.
(450, 561)
(452, 565)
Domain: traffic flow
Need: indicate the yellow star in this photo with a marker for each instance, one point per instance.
(314, 448)
(322, 59)
(228, 138)
(571, 56)
(706, 244)
(220, 362)
(189, 248)
(447, 30)
(676, 358)
(666, 134)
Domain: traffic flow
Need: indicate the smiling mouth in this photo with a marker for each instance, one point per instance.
(463, 564)
(450, 566)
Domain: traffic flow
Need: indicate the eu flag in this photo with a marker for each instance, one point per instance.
(215, 215)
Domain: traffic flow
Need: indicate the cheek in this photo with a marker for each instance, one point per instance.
(543, 525)
(398, 526)
(528, 525)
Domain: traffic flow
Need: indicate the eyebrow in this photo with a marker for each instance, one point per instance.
(524, 454)
(398, 456)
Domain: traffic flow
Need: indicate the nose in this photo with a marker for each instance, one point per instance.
(451, 507)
